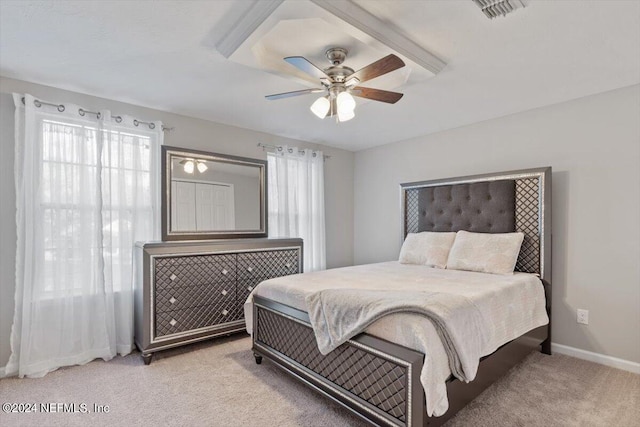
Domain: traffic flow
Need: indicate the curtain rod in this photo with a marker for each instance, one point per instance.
(280, 148)
(82, 112)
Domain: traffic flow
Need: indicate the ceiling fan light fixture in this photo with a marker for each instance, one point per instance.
(345, 102)
(340, 83)
(321, 107)
(345, 115)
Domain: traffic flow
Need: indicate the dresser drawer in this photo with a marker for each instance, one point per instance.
(194, 270)
(171, 322)
(177, 298)
(267, 264)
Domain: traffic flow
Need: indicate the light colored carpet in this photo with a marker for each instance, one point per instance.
(217, 383)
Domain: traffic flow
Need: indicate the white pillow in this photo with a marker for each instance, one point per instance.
(427, 248)
(495, 253)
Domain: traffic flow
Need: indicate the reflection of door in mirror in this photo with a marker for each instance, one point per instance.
(202, 206)
(212, 196)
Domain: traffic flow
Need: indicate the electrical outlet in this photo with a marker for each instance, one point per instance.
(583, 316)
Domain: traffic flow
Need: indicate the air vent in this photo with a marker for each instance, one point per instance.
(495, 8)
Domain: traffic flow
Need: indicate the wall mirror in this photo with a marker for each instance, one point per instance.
(212, 196)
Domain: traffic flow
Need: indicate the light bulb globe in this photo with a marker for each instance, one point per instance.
(344, 116)
(345, 102)
(320, 107)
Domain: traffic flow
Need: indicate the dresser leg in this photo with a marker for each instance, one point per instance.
(146, 358)
(258, 358)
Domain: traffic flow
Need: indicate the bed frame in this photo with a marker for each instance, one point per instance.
(380, 381)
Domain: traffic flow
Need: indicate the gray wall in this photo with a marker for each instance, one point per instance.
(189, 133)
(593, 145)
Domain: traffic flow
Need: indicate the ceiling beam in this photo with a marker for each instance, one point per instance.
(254, 15)
(379, 30)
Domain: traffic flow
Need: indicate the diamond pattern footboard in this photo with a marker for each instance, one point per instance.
(370, 377)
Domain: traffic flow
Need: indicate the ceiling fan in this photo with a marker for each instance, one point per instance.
(339, 83)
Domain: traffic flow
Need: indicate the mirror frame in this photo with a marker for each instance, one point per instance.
(167, 235)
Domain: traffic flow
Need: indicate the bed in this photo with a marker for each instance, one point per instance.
(380, 376)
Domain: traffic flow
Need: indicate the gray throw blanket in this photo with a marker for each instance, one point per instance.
(339, 314)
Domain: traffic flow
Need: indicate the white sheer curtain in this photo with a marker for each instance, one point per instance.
(296, 201)
(87, 189)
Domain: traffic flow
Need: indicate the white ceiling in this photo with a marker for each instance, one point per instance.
(162, 55)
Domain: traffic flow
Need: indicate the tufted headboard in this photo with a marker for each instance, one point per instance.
(491, 203)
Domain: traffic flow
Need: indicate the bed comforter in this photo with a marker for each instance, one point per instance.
(506, 306)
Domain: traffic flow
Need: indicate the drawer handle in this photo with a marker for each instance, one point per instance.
(172, 300)
(249, 269)
(173, 277)
(225, 272)
(288, 265)
(249, 288)
(225, 312)
(224, 292)
(173, 322)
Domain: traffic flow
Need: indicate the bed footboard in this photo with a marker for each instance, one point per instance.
(375, 379)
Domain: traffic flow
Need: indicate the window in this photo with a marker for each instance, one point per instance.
(75, 162)
(296, 201)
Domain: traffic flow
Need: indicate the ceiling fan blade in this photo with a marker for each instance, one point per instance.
(377, 94)
(382, 66)
(303, 64)
(294, 93)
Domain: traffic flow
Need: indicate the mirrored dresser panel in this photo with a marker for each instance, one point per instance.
(190, 291)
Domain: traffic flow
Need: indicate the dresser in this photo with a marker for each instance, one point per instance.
(190, 291)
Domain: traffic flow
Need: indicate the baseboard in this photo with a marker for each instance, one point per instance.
(602, 359)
